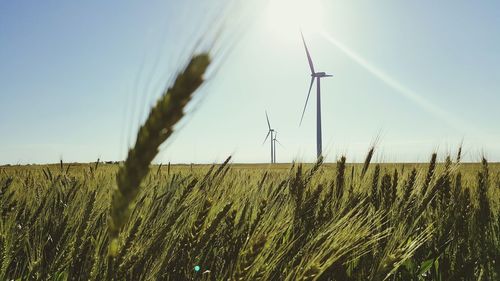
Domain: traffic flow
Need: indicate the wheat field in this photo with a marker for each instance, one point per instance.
(320, 221)
(294, 222)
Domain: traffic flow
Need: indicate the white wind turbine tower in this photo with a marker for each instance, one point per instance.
(275, 140)
(270, 132)
(317, 76)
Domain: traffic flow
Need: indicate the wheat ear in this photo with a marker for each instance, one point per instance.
(157, 128)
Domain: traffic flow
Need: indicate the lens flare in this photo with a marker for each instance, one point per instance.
(286, 17)
(425, 104)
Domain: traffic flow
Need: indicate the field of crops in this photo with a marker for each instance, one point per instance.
(340, 221)
(290, 222)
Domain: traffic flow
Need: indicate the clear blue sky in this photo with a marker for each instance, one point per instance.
(76, 77)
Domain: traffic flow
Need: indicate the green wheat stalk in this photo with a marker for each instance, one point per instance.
(157, 128)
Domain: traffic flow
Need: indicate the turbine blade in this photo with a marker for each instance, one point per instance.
(266, 137)
(308, 55)
(279, 142)
(268, 124)
(307, 99)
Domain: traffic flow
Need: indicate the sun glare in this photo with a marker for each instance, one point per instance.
(286, 17)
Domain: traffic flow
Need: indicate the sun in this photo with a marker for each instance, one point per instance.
(286, 17)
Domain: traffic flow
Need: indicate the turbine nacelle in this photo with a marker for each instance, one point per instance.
(320, 74)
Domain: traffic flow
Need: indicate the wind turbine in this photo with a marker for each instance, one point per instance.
(270, 132)
(275, 140)
(317, 76)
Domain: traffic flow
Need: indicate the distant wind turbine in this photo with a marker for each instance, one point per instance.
(270, 132)
(275, 140)
(318, 76)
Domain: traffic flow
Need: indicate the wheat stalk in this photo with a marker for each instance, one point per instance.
(368, 159)
(157, 128)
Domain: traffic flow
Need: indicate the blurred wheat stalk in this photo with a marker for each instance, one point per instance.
(158, 127)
